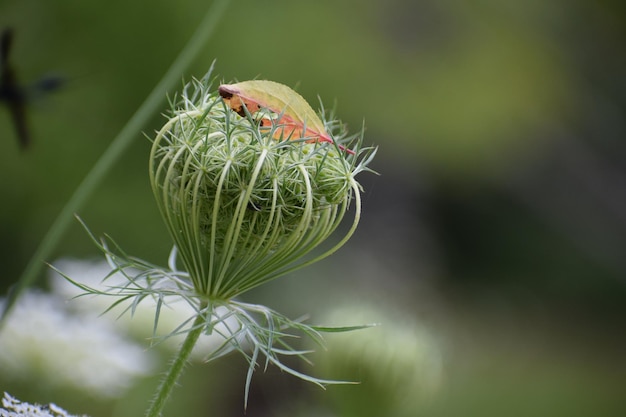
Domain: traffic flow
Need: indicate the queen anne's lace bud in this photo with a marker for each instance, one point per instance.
(247, 195)
(243, 207)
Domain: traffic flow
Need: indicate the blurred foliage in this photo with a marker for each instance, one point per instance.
(501, 205)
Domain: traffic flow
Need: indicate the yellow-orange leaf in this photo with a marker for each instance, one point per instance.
(295, 117)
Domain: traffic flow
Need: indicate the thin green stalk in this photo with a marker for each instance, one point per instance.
(178, 364)
(115, 150)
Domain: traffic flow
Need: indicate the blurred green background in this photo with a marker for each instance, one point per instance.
(498, 221)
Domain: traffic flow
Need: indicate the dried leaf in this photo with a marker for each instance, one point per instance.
(295, 117)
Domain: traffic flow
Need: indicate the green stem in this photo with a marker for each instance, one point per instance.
(115, 150)
(178, 364)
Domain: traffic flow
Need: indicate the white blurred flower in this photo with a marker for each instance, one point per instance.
(42, 341)
(399, 361)
(11, 407)
(141, 322)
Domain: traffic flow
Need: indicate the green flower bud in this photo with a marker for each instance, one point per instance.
(242, 206)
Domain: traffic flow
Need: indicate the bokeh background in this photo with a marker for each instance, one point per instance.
(494, 238)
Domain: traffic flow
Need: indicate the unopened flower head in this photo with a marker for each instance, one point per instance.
(245, 196)
(249, 181)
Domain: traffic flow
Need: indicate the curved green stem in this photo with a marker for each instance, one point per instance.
(115, 150)
(177, 367)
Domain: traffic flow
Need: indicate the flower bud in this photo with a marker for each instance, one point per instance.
(242, 203)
